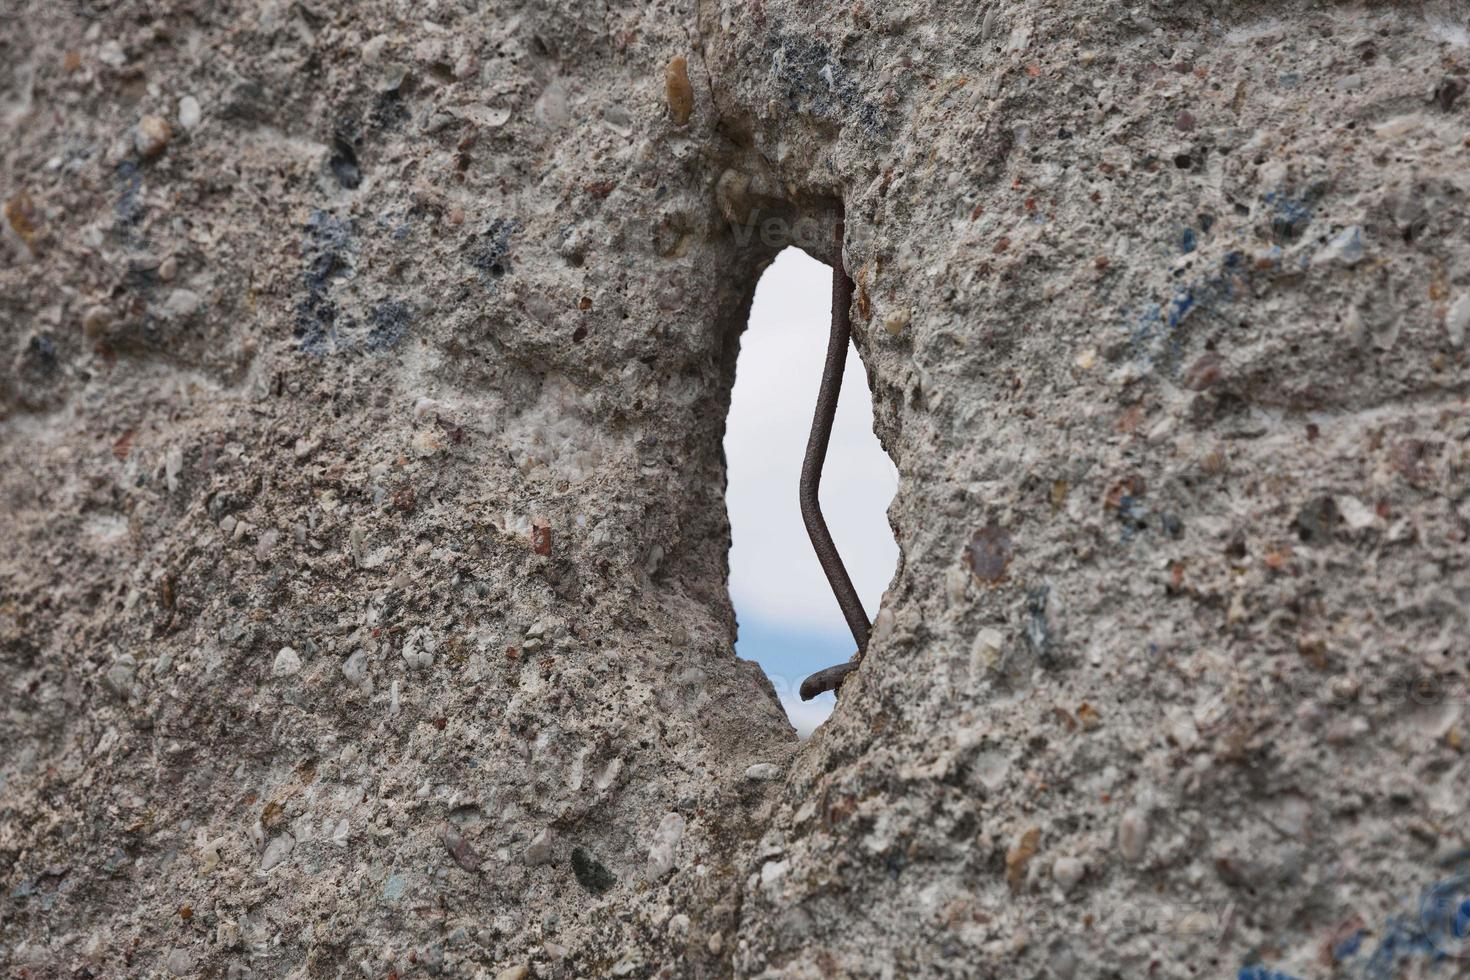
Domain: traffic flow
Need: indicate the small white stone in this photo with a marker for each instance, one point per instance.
(763, 772)
(1355, 514)
(609, 774)
(772, 874)
(286, 663)
(276, 851)
(985, 651)
(111, 54)
(373, 47)
(665, 841)
(179, 962)
(552, 109)
(189, 112)
(418, 649)
(182, 302)
(1179, 722)
(1457, 321)
(173, 465)
(678, 926)
(518, 972)
(1133, 835)
(209, 853)
(1068, 871)
(354, 668)
(1346, 248)
(484, 116)
(956, 580)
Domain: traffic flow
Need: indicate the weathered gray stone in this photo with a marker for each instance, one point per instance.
(455, 293)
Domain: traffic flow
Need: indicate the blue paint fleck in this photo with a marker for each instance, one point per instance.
(1179, 307)
(815, 77)
(1290, 215)
(390, 321)
(326, 248)
(1402, 940)
(1154, 329)
(1348, 948)
(1133, 514)
(129, 206)
(1438, 935)
(490, 254)
(1261, 973)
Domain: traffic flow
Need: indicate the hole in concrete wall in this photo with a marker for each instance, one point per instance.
(789, 621)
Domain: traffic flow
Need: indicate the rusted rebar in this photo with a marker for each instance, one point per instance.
(811, 479)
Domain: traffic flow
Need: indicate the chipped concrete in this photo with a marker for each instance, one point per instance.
(401, 336)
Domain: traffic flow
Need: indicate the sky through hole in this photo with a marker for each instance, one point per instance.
(789, 621)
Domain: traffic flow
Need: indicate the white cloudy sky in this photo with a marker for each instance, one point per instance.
(789, 620)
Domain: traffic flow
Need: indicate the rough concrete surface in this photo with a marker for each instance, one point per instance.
(363, 606)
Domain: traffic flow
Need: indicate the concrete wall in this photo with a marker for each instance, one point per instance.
(365, 372)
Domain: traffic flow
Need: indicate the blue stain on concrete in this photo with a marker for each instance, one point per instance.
(1346, 949)
(1290, 214)
(322, 326)
(1179, 307)
(1133, 514)
(390, 321)
(326, 248)
(1434, 941)
(1261, 973)
(129, 206)
(1402, 940)
(815, 78)
(490, 252)
(1154, 328)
